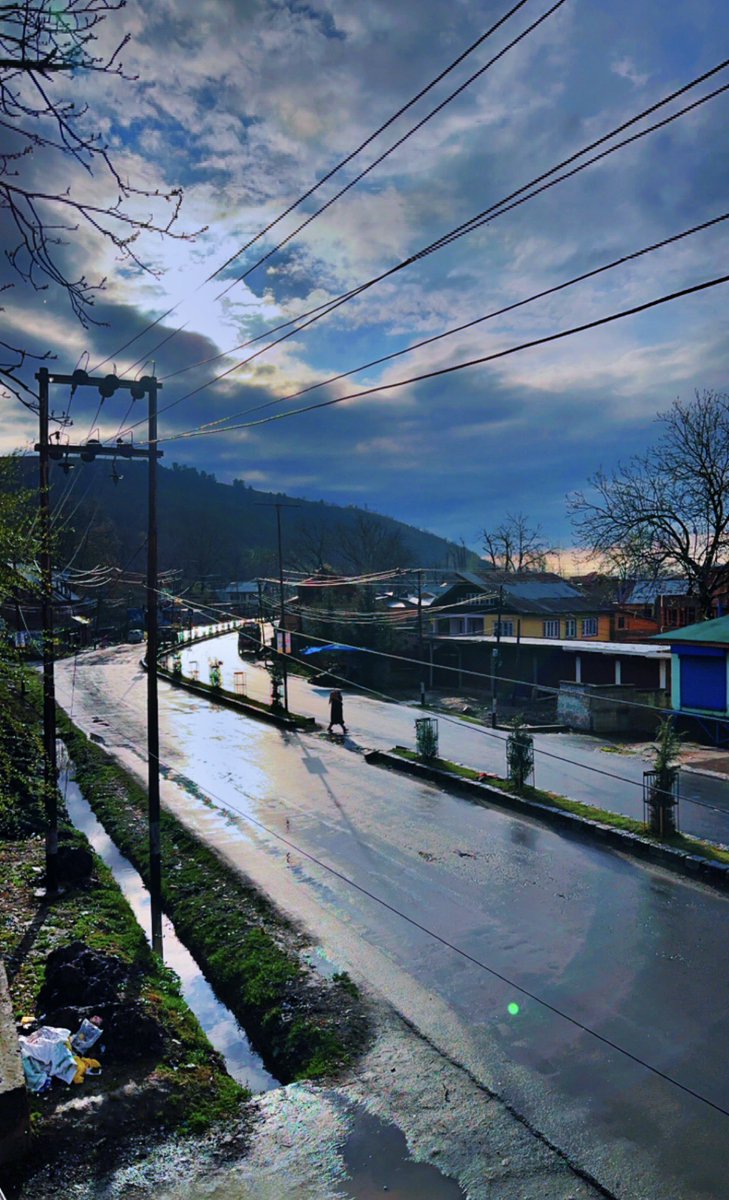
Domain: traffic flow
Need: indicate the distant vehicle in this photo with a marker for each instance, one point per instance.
(135, 636)
(249, 639)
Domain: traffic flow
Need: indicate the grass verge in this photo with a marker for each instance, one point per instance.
(303, 1026)
(679, 841)
(184, 1087)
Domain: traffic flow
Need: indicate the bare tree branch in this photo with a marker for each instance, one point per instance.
(41, 41)
(515, 545)
(665, 512)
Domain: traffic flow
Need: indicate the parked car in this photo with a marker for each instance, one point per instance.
(135, 636)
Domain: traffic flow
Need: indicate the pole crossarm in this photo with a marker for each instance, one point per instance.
(90, 450)
(110, 383)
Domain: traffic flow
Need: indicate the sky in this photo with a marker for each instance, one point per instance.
(245, 104)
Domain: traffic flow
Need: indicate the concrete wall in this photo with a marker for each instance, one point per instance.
(14, 1118)
(598, 708)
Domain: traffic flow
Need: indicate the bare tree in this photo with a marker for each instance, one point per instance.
(46, 46)
(369, 543)
(311, 548)
(666, 512)
(516, 545)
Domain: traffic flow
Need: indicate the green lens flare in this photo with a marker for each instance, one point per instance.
(513, 1009)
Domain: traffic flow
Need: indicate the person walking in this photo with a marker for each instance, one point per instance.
(336, 710)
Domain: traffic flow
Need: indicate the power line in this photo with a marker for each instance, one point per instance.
(324, 178)
(477, 74)
(449, 719)
(386, 387)
(375, 362)
(311, 316)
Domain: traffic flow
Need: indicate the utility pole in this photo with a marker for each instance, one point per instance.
(495, 657)
(155, 850)
(50, 765)
(419, 574)
(88, 452)
(278, 505)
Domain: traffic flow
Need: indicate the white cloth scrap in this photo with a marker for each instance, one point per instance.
(48, 1048)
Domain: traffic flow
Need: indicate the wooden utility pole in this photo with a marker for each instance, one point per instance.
(278, 505)
(50, 765)
(88, 452)
(155, 850)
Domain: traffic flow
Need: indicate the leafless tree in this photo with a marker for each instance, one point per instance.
(46, 46)
(311, 548)
(666, 512)
(369, 543)
(516, 545)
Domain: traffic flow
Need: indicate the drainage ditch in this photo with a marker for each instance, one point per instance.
(220, 1026)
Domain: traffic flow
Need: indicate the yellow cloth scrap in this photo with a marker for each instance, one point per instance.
(83, 1065)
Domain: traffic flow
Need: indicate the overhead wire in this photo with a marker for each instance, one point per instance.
(323, 179)
(376, 162)
(625, 258)
(634, 310)
(506, 204)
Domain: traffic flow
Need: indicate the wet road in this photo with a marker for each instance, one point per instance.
(573, 765)
(469, 921)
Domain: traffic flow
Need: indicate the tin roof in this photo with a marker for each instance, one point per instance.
(703, 632)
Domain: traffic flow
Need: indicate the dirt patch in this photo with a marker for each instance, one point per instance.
(171, 1080)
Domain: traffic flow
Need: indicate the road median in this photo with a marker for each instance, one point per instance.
(687, 856)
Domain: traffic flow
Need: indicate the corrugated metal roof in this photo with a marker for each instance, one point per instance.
(647, 591)
(700, 633)
(476, 580)
(544, 589)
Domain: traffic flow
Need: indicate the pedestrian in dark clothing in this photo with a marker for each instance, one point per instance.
(336, 710)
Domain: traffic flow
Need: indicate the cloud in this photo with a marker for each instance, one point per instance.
(626, 69)
(254, 101)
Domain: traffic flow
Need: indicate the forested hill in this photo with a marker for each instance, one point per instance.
(223, 532)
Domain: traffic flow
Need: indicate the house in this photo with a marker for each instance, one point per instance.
(22, 611)
(655, 605)
(536, 631)
(700, 671)
(537, 604)
(240, 598)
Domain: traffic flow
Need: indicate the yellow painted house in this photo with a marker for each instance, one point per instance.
(534, 605)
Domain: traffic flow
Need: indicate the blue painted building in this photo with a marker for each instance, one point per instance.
(700, 668)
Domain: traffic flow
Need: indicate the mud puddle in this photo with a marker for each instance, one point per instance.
(377, 1161)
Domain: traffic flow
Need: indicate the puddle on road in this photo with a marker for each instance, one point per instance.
(377, 1161)
(218, 1022)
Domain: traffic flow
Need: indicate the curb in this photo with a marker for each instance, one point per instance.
(229, 700)
(695, 867)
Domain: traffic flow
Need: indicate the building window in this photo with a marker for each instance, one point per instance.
(503, 628)
(570, 627)
(551, 629)
(621, 622)
(589, 627)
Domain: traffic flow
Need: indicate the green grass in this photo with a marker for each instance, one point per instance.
(304, 1028)
(97, 914)
(679, 841)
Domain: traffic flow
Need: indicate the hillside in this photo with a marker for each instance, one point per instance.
(219, 532)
